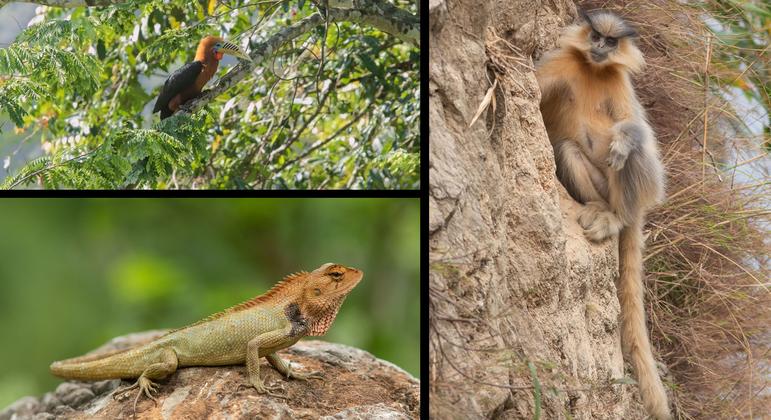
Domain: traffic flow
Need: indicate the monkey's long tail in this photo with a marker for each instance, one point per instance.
(634, 334)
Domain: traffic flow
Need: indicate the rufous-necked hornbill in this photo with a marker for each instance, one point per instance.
(187, 82)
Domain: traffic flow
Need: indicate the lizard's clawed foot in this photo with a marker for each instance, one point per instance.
(146, 387)
(262, 389)
(306, 376)
(302, 376)
(122, 392)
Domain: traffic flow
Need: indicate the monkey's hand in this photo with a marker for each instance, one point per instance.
(617, 155)
(627, 137)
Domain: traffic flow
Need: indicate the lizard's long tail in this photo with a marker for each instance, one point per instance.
(114, 364)
(634, 333)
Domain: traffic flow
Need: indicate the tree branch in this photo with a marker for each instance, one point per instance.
(320, 143)
(27, 177)
(67, 3)
(374, 14)
(381, 15)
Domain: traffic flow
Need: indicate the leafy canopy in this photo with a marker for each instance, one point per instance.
(337, 107)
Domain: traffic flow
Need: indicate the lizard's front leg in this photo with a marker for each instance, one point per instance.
(269, 339)
(286, 369)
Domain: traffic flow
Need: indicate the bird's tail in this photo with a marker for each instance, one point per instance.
(634, 332)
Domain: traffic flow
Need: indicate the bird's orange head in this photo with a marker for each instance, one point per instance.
(213, 48)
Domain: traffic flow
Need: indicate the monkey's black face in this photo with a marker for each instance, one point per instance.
(601, 46)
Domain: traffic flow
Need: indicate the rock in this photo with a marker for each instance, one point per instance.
(23, 408)
(378, 411)
(77, 397)
(519, 298)
(355, 385)
(50, 400)
(105, 386)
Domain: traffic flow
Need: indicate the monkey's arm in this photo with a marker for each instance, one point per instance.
(550, 75)
(550, 84)
(629, 136)
(631, 130)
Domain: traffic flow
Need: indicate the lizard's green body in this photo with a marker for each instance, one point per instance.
(302, 304)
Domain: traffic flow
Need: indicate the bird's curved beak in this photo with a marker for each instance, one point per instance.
(232, 49)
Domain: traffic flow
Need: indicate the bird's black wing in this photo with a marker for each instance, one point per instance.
(177, 82)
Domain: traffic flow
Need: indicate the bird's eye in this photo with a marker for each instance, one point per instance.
(611, 41)
(595, 36)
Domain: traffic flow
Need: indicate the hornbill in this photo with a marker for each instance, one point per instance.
(186, 83)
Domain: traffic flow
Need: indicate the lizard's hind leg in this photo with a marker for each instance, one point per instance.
(155, 371)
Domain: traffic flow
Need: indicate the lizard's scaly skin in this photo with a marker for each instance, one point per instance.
(300, 305)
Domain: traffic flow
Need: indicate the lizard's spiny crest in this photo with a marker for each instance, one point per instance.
(276, 290)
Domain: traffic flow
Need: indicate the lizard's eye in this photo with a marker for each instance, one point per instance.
(336, 275)
(316, 292)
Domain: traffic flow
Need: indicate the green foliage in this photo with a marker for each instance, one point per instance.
(745, 33)
(337, 107)
(43, 60)
(126, 156)
(13, 96)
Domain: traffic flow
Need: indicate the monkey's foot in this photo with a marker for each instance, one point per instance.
(598, 221)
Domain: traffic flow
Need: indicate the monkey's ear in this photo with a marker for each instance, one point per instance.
(629, 32)
(585, 16)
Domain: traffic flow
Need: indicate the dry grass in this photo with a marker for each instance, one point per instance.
(708, 248)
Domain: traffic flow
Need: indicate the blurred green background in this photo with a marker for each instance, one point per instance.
(75, 273)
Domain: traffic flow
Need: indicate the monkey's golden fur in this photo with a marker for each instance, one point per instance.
(608, 160)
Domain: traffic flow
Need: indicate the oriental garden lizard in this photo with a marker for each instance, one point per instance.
(303, 304)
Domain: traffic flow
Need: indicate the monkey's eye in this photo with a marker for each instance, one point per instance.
(611, 41)
(595, 36)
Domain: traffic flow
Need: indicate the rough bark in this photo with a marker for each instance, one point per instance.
(524, 315)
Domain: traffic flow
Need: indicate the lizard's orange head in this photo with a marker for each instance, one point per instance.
(324, 291)
(330, 281)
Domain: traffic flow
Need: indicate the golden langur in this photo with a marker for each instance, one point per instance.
(608, 160)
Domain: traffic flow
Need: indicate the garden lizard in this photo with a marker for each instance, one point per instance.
(302, 304)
